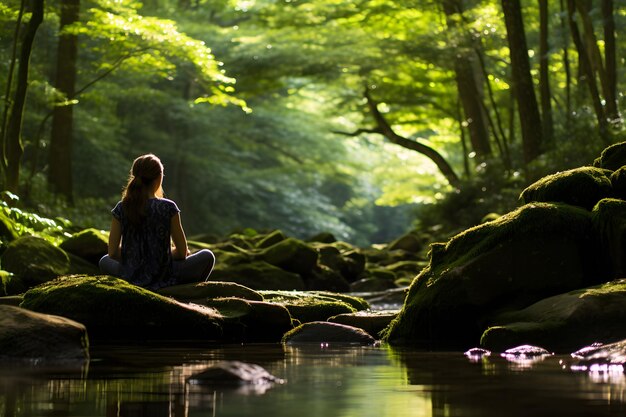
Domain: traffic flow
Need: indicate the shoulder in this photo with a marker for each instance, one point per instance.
(167, 205)
(117, 210)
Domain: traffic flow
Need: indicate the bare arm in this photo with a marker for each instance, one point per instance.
(180, 250)
(115, 239)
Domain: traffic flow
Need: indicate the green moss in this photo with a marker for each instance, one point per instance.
(618, 182)
(613, 157)
(609, 220)
(35, 260)
(89, 244)
(582, 187)
(312, 306)
(257, 275)
(112, 308)
(210, 289)
(271, 239)
(292, 255)
(7, 228)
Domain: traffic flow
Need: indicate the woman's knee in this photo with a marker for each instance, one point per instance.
(109, 266)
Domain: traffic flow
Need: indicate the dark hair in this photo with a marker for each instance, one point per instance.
(145, 170)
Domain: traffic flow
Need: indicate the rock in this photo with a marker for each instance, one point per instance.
(534, 252)
(609, 219)
(34, 260)
(323, 237)
(598, 353)
(349, 263)
(323, 278)
(312, 306)
(525, 351)
(198, 291)
(410, 242)
(564, 322)
(28, 335)
(613, 157)
(477, 353)
(291, 255)
(229, 373)
(271, 239)
(370, 321)
(371, 285)
(247, 321)
(258, 275)
(89, 244)
(582, 187)
(322, 332)
(618, 182)
(111, 309)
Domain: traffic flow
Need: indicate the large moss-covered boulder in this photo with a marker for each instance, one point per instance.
(327, 333)
(291, 255)
(609, 218)
(111, 308)
(258, 275)
(28, 335)
(34, 260)
(565, 322)
(582, 187)
(89, 244)
(198, 291)
(252, 321)
(534, 252)
(613, 157)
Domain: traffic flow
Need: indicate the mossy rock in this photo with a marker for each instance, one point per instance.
(327, 333)
(534, 252)
(618, 182)
(372, 322)
(609, 219)
(410, 242)
(323, 237)
(292, 255)
(34, 260)
(258, 275)
(89, 244)
(11, 300)
(582, 187)
(249, 321)
(113, 309)
(565, 322)
(211, 289)
(271, 239)
(310, 306)
(28, 335)
(372, 284)
(612, 158)
(10, 284)
(323, 278)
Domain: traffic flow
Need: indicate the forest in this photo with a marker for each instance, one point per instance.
(363, 118)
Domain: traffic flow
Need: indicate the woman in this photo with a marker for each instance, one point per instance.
(143, 228)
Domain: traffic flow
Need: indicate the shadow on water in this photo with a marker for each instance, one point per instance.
(135, 381)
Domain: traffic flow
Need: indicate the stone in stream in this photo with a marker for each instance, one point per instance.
(373, 322)
(34, 336)
(325, 333)
(244, 378)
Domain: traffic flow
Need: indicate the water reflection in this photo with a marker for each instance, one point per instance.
(320, 381)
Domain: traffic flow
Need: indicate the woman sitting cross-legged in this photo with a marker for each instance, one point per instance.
(143, 228)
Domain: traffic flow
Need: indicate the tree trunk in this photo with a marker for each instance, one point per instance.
(586, 71)
(386, 130)
(610, 61)
(13, 149)
(566, 65)
(544, 77)
(469, 91)
(524, 92)
(60, 152)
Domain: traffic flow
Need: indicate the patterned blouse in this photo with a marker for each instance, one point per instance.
(146, 250)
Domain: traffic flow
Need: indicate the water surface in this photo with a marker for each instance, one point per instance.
(320, 381)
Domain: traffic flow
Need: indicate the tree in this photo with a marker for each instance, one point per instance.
(544, 77)
(60, 151)
(466, 78)
(530, 120)
(12, 148)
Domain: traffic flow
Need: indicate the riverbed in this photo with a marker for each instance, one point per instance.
(317, 381)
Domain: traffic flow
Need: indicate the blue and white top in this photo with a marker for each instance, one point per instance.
(146, 250)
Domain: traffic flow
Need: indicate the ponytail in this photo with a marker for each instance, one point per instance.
(145, 170)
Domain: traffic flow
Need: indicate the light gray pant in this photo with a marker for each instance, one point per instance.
(194, 268)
